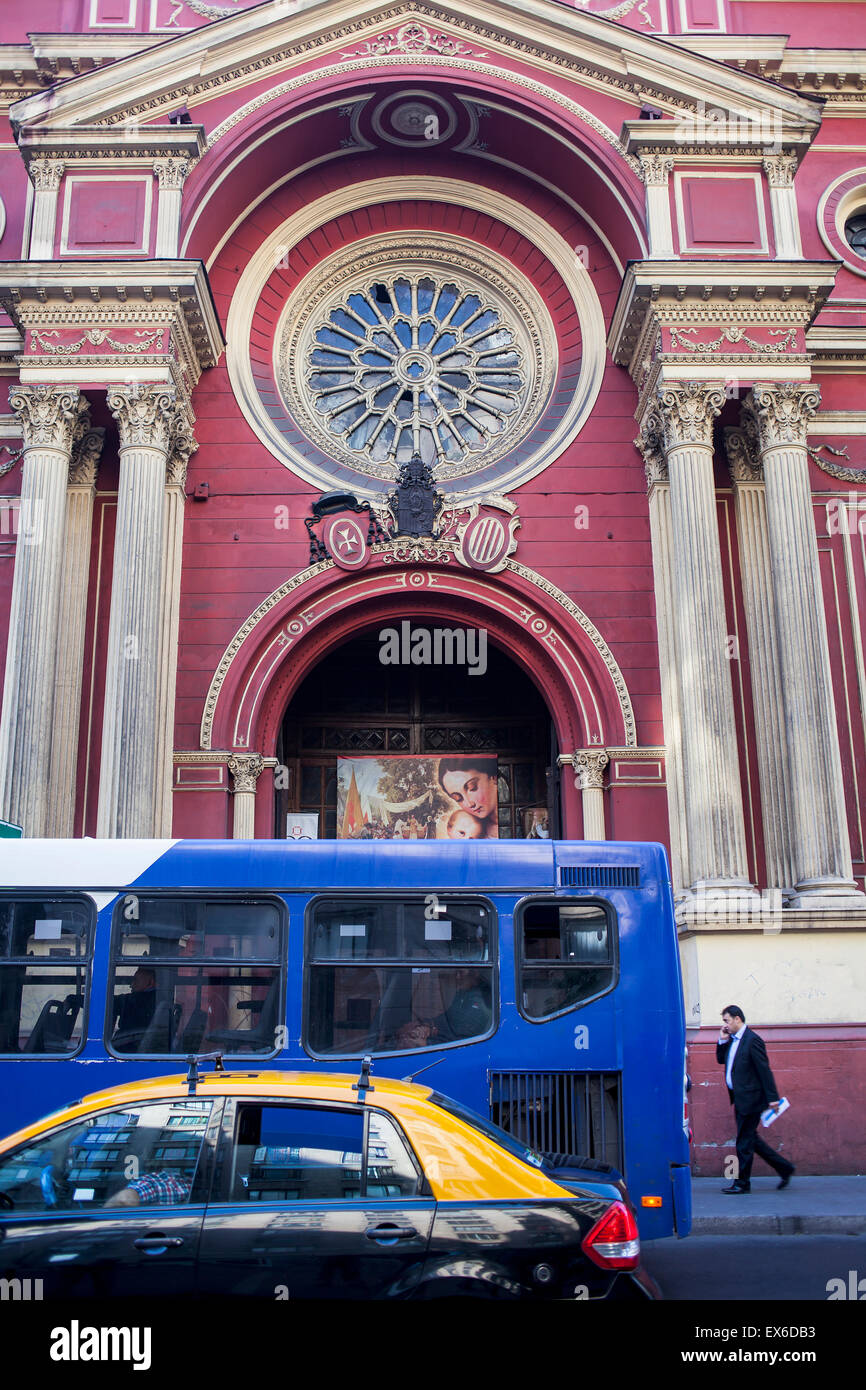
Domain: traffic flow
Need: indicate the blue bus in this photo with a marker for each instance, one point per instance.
(537, 982)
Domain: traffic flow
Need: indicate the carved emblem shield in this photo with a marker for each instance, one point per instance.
(346, 541)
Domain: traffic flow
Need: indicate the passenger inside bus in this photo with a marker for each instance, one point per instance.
(135, 1010)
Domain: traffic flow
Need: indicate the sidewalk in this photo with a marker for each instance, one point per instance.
(810, 1206)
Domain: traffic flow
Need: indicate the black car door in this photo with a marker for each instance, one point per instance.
(111, 1205)
(314, 1201)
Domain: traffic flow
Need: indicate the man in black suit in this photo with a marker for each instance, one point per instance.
(751, 1088)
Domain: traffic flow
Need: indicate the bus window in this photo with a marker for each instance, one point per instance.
(45, 946)
(178, 984)
(392, 975)
(566, 955)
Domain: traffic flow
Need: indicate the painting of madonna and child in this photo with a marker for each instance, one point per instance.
(417, 798)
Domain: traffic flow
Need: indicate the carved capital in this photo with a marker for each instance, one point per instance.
(780, 170)
(780, 412)
(182, 444)
(655, 169)
(744, 458)
(145, 415)
(589, 764)
(85, 458)
(246, 768)
(687, 410)
(52, 417)
(650, 442)
(46, 174)
(171, 173)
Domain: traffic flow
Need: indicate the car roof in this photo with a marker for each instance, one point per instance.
(303, 1085)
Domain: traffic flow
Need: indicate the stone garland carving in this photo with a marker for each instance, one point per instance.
(733, 334)
(85, 458)
(46, 174)
(52, 417)
(246, 768)
(96, 337)
(412, 38)
(835, 470)
(781, 412)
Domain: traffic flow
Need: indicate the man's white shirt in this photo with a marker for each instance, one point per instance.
(732, 1052)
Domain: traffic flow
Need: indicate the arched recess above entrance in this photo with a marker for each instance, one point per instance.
(525, 616)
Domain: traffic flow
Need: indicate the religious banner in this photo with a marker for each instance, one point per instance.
(417, 798)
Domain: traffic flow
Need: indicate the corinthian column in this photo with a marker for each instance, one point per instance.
(171, 174)
(147, 417)
(70, 638)
(589, 764)
(655, 171)
(52, 419)
(246, 768)
(46, 176)
(777, 416)
(679, 426)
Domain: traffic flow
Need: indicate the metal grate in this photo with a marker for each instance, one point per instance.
(561, 1111)
(599, 875)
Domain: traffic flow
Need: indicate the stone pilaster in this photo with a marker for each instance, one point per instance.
(780, 170)
(171, 174)
(776, 416)
(655, 172)
(183, 444)
(246, 768)
(53, 419)
(132, 743)
(46, 176)
(659, 498)
(678, 427)
(80, 493)
(756, 572)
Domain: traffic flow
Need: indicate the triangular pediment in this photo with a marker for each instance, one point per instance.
(552, 39)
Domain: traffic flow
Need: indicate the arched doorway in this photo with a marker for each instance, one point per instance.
(353, 705)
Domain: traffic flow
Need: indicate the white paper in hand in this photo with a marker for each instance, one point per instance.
(769, 1115)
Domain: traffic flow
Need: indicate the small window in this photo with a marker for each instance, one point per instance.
(196, 974)
(398, 975)
(855, 232)
(566, 955)
(142, 1155)
(45, 947)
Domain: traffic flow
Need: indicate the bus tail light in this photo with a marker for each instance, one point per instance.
(651, 1201)
(613, 1242)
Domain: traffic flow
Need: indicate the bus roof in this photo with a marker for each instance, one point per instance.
(313, 866)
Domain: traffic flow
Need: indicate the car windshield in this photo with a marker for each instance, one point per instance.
(499, 1136)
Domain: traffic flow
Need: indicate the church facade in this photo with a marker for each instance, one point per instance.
(534, 327)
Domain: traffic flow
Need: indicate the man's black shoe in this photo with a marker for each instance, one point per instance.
(737, 1187)
(787, 1177)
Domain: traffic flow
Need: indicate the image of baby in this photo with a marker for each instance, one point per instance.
(463, 826)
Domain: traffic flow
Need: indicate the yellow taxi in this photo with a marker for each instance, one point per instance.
(294, 1185)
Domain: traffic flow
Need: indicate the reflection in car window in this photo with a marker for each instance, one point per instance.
(44, 963)
(567, 955)
(392, 975)
(286, 1153)
(178, 985)
(142, 1155)
(492, 1131)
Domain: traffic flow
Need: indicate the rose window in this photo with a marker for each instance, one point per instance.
(410, 364)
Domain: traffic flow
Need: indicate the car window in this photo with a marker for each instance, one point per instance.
(295, 1153)
(140, 1155)
(288, 1153)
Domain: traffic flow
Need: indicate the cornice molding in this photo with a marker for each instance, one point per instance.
(271, 38)
(117, 143)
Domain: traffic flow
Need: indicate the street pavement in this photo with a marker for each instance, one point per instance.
(810, 1206)
(756, 1268)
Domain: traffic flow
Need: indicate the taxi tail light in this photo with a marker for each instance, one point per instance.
(613, 1242)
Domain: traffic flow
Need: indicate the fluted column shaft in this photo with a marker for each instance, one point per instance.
(169, 626)
(52, 418)
(681, 423)
(70, 636)
(662, 544)
(147, 417)
(590, 764)
(778, 417)
(246, 768)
